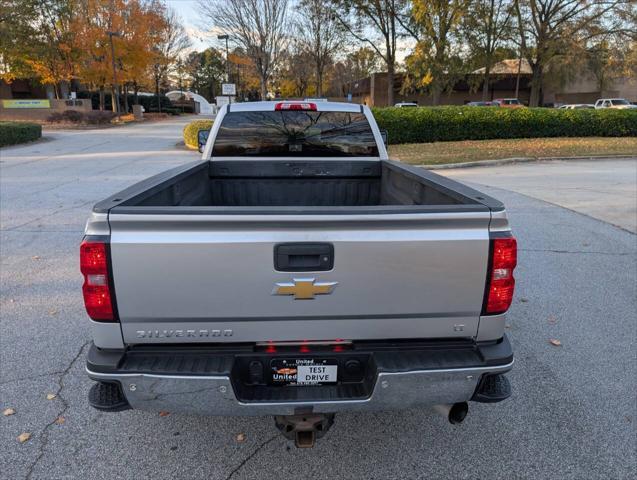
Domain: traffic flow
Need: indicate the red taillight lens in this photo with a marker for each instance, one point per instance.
(96, 290)
(295, 106)
(504, 257)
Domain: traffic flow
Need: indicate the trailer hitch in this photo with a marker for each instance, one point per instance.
(304, 429)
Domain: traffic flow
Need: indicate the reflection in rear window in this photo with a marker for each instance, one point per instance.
(295, 134)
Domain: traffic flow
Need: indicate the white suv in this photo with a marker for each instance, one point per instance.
(619, 103)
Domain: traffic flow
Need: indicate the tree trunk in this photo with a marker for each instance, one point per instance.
(390, 83)
(435, 95)
(264, 88)
(113, 99)
(157, 95)
(485, 81)
(64, 89)
(136, 91)
(125, 98)
(536, 85)
(102, 100)
(319, 81)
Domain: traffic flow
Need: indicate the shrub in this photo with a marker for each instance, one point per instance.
(191, 131)
(72, 116)
(94, 117)
(439, 124)
(12, 133)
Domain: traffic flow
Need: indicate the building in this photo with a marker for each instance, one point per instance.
(372, 90)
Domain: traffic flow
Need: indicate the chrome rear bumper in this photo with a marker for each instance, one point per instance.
(214, 395)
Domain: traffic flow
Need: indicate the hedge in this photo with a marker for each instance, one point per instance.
(12, 133)
(190, 132)
(439, 124)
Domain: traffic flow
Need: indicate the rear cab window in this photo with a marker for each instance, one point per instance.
(294, 133)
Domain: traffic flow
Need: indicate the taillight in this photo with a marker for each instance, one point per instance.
(504, 256)
(96, 289)
(295, 106)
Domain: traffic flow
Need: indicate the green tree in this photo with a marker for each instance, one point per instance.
(433, 64)
(206, 71)
(486, 27)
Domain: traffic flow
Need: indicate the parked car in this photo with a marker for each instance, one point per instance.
(406, 104)
(577, 106)
(479, 104)
(617, 103)
(507, 103)
(297, 271)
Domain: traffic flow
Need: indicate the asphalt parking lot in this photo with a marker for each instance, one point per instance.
(572, 413)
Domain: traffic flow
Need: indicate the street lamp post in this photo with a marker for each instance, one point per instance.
(226, 37)
(115, 87)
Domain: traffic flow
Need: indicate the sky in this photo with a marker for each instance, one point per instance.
(188, 12)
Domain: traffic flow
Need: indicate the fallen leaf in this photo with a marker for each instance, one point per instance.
(555, 342)
(524, 300)
(50, 396)
(8, 411)
(60, 420)
(53, 312)
(23, 437)
(35, 257)
(164, 413)
(552, 319)
(506, 325)
(241, 437)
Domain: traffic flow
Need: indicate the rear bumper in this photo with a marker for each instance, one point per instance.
(398, 378)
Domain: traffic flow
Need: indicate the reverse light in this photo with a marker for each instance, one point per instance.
(96, 289)
(501, 284)
(295, 106)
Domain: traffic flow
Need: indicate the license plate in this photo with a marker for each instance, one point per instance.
(304, 371)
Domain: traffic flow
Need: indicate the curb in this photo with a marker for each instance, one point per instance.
(514, 160)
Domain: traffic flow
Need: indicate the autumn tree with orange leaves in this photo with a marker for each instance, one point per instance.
(59, 41)
(38, 40)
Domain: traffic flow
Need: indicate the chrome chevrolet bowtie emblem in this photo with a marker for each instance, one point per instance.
(304, 288)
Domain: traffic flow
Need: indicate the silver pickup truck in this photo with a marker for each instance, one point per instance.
(296, 271)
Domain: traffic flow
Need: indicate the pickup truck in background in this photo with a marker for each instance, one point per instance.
(296, 271)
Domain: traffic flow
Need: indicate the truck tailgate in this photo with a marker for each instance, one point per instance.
(210, 278)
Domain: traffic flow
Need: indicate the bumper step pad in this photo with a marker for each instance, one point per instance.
(492, 388)
(107, 397)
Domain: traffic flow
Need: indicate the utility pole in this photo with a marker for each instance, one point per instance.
(115, 86)
(225, 37)
(112, 34)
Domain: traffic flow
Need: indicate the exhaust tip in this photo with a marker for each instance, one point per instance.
(458, 412)
(455, 413)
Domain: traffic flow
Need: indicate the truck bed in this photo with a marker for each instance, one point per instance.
(376, 185)
(192, 251)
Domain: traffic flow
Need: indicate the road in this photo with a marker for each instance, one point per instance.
(603, 189)
(572, 413)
